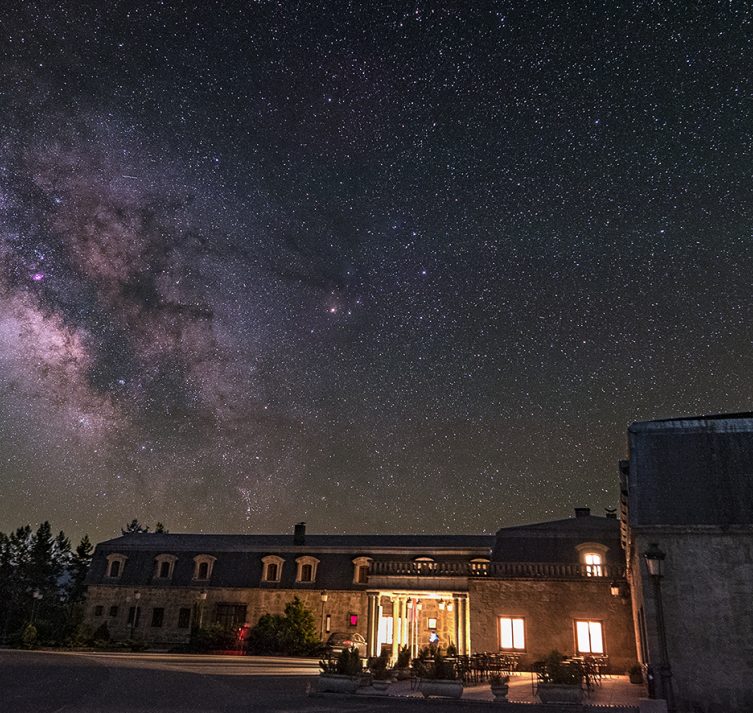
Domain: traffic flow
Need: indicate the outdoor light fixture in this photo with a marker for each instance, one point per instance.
(614, 589)
(323, 597)
(442, 604)
(655, 560)
(655, 557)
(202, 599)
(620, 589)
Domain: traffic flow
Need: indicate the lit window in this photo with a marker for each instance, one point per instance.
(203, 565)
(115, 565)
(307, 567)
(592, 561)
(590, 637)
(511, 633)
(592, 557)
(272, 568)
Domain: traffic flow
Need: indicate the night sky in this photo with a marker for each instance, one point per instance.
(379, 266)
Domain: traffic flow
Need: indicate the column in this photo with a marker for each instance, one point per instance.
(467, 611)
(396, 626)
(372, 623)
(459, 621)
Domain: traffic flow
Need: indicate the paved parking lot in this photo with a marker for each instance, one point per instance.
(74, 682)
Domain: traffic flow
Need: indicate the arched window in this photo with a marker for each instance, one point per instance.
(115, 565)
(307, 567)
(592, 558)
(164, 566)
(203, 565)
(272, 568)
(361, 570)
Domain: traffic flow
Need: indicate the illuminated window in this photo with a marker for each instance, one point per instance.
(425, 564)
(307, 566)
(115, 565)
(590, 637)
(272, 569)
(361, 570)
(592, 557)
(385, 631)
(163, 566)
(511, 634)
(203, 565)
(592, 560)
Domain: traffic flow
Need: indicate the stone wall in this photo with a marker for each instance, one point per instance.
(707, 592)
(550, 609)
(339, 606)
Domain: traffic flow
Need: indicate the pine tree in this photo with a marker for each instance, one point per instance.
(79, 567)
(134, 526)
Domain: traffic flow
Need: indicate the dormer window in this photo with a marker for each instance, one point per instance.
(164, 566)
(361, 570)
(307, 566)
(425, 564)
(592, 558)
(115, 565)
(480, 566)
(272, 569)
(203, 565)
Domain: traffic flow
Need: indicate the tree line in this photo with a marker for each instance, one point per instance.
(42, 586)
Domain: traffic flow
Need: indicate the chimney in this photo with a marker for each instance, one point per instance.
(299, 534)
(582, 512)
(611, 513)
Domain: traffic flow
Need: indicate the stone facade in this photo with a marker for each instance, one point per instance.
(393, 590)
(688, 489)
(550, 610)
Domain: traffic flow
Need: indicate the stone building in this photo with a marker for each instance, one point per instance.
(687, 495)
(526, 590)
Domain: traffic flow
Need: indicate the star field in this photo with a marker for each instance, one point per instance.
(407, 267)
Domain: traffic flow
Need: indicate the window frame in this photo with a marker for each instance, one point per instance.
(590, 624)
(592, 549)
(303, 561)
(159, 563)
(267, 562)
(199, 560)
(361, 569)
(115, 559)
(512, 618)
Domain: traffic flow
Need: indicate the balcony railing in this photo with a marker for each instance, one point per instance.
(501, 570)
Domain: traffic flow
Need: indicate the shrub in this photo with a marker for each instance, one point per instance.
(29, 636)
(379, 666)
(211, 638)
(349, 662)
(403, 657)
(294, 633)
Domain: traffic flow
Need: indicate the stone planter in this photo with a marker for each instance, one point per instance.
(381, 686)
(499, 691)
(441, 687)
(636, 677)
(337, 683)
(559, 693)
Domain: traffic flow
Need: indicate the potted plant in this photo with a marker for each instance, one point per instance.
(341, 675)
(635, 673)
(381, 673)
(559, 680)
(438, 678)
(500, 686)
(402, 665)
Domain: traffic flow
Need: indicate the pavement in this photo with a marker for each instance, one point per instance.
(94, 682)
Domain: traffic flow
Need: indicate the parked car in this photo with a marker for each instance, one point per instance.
(340, 640)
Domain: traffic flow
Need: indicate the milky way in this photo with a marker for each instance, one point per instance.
(411, 266)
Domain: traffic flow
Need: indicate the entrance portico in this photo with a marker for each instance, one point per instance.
(398, 618)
